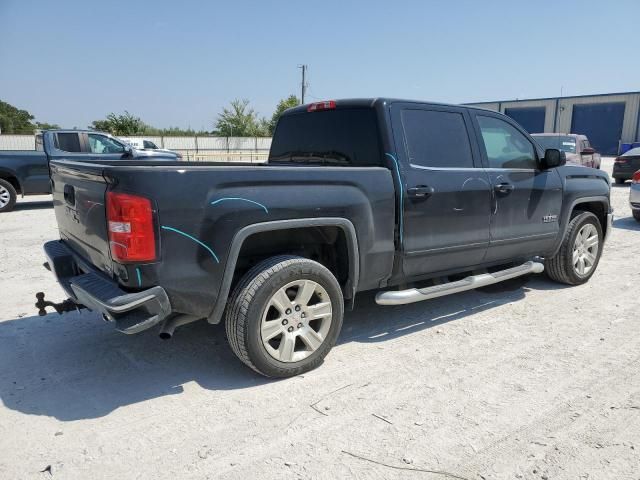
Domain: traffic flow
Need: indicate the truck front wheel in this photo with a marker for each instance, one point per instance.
(579, 254)
(8, 196)
(284, 316)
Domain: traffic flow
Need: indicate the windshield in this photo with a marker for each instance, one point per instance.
(343, 137)
(562, 143)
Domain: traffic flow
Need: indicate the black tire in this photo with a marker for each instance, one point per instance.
(7, 188)
(636, 214)
(253, 295)
(620, 181)
(560, 267)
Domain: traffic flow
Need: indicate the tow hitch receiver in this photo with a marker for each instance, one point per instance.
(62, 307)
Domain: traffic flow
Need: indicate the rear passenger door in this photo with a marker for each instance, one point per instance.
(526, 201)
(447, 195)
(67, 146)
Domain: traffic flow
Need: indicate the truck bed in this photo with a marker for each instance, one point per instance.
(201, 208)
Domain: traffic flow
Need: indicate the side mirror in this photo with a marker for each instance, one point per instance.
(552, 158)
(128, 150)
(587, 151)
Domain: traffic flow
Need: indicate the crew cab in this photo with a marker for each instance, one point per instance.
(27, 172)
(416, 200)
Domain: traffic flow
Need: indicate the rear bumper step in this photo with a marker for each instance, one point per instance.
(412, 295)
(131, 312)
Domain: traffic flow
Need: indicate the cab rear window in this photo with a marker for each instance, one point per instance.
(341, 137)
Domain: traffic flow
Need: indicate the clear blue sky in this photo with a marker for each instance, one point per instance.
(179, 62)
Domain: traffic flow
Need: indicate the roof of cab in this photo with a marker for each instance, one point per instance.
(372, 103)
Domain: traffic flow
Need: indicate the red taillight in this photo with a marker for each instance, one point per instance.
(620, 160)
(636, 177)
(328, 105)
(131, 232)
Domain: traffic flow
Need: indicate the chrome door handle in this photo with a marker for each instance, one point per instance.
(420, 191)
(504, 188)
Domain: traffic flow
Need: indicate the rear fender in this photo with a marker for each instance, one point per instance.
(244, 233)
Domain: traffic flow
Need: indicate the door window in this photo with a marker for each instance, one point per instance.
(149, 144)
(101, 144)
(436, 139)
(68, 142)
(505, 146)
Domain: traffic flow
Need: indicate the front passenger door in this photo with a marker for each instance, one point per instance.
(526, 200)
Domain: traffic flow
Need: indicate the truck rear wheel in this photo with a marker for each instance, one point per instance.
(284, 316)
(8, 196)
(580, 252)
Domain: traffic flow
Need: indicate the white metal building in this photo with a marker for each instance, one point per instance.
(607, 119)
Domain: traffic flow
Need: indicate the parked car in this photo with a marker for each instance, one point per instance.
(146, 144)
(625, 165)
(357, 195)
(577, 148)
(27, 172)
(634, 195)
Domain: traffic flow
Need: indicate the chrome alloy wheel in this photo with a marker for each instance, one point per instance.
(5, 197)
(296, 321)
(585, 249)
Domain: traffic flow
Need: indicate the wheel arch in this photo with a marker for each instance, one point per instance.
(245, 235)
(598, 205)
(11, 177)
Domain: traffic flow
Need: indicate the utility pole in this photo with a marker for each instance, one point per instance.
(304, 84)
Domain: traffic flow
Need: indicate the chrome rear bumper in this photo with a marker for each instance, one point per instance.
(132, 312)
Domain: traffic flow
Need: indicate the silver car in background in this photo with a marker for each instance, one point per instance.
(577, 147)
(634, 195)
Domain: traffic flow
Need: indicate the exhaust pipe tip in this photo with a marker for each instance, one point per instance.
(165, 335)
(170, 324)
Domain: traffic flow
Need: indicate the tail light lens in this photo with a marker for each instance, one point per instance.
(131, 232)
(636, 177)
(620, 160)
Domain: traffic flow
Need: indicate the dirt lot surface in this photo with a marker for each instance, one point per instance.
(527, 380)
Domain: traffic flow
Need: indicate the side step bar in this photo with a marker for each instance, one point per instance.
(412, 295)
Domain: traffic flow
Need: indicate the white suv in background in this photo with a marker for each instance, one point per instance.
(146, 144)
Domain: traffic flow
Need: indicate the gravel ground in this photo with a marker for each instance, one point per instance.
(527, 380)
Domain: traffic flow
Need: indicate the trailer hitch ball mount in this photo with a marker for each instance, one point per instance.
(61, 307)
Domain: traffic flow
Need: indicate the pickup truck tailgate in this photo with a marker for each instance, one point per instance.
(79, 204)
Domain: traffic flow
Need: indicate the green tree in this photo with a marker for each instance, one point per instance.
(14, 120)
(124, 124)
(46, 126)
(174, 132)
(284, 104)
(239, 120)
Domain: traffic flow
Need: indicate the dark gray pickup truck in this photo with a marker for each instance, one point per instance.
(27, 172)
(416, 200)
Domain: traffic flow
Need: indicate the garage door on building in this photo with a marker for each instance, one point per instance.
(531, 118)
(602, 123)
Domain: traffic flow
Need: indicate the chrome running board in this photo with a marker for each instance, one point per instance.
(412, 295)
